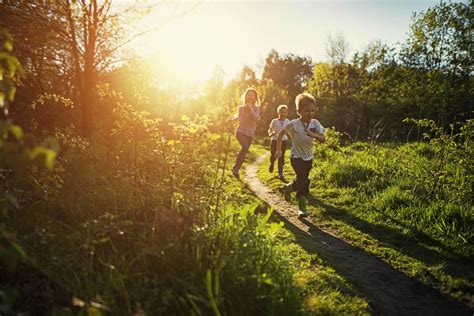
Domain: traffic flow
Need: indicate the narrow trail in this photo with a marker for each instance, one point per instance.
(389, 291)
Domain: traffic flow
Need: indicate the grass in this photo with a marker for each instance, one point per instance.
(359, 193)
(116, 238)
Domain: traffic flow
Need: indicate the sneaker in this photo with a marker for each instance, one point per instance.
(281, 177)
(302, 204)
(270, 168)
(302, 214)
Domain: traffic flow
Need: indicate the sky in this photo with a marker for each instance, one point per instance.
(232, 34)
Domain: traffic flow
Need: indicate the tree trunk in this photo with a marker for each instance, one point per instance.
(86, 77)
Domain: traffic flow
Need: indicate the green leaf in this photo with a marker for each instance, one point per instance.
(49, 160)
(7, 89)
(48, 155)
(13, 65)
(16, 131)
(11, 94)
(2, 99)
(8, 46)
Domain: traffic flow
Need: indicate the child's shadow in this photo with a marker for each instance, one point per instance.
(414, 245)
(389, 291)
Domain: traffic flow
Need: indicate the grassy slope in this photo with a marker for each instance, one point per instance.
(382, 233)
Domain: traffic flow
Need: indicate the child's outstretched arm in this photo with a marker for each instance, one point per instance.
(270, 129)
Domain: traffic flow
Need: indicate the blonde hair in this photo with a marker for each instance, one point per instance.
(257, 99)
(282, 106)
(304, 99)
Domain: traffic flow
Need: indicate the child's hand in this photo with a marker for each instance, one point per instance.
(278, 154)
(311, 134)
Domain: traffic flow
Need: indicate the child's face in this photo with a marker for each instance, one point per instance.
(283, 113)
(250, 97)
(307, 113)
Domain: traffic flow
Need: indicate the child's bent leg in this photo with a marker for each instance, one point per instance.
(302, 182)
(281, 160)
(272, 155)
(245, 142)
(273, 145)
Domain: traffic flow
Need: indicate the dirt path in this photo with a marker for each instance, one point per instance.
(389, 291)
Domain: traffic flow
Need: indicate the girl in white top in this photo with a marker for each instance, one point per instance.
(303, 131)
(276, 125)
(248, 115)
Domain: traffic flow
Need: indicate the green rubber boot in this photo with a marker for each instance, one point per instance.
(302, 204)
(287, 189)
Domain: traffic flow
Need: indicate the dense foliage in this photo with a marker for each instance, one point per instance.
(116, 194)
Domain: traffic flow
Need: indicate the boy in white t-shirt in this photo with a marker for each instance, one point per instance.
(303, 131)
(276, 125)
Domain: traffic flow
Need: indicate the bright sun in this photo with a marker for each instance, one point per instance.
(189, 47)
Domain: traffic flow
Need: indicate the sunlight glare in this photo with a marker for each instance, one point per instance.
(192, 45)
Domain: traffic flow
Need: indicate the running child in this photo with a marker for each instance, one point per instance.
(276, 125)
(303, 131)
(248, 115)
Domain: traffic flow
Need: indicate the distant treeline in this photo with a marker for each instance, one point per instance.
(367, 95)
(71, 56)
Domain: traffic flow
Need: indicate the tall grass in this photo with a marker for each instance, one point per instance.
(428, 185)
(126, 223)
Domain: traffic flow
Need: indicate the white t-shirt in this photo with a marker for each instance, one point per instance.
(302, 144)
(276, 126)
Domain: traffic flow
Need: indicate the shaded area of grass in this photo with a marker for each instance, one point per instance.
(404, 243)
(324, 290)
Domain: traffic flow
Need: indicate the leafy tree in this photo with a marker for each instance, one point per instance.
(290, 72)
(81, 40)
(272, 97)
(335, 83)
(378, 97)
(439, 52)
(41, 50)
(429, 77)
(248, 77)
(441, 39)
(233, 91)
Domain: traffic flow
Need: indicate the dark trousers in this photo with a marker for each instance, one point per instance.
(302, 169)
(281, 160)
(244, 141)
